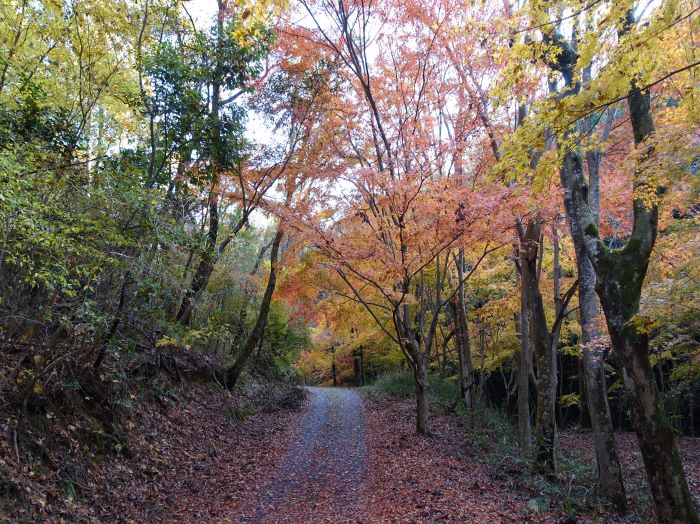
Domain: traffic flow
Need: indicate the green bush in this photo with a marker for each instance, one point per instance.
(400, 385)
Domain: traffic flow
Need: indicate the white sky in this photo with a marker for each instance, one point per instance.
(201, 10)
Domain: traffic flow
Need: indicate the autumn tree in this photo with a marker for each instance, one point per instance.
(391, 236)
(620, 271)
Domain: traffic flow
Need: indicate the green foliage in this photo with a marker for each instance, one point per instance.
(400, 384)
(110, 152)
(538, 505)
(242, 412)
(284, 339)
(592, 231)
(397, 384)
(182, 76)
(570, 400)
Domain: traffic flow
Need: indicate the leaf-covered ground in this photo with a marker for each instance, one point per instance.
(419, 479)
(198, 454)
(207, 456)
(471, 472)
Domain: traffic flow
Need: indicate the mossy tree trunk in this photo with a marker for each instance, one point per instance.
(611, 272)
(610, 482)
(620, 274)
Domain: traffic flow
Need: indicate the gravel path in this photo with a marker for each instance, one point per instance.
(322, 477)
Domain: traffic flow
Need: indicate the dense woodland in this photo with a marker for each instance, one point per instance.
(502, 196)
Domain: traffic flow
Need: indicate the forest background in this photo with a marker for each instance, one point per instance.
(498, 197)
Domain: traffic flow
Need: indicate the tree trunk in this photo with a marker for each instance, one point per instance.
(443, 362)
(358, 362)
(466, 368)
(115, 325)
(524, 358)
(482, 357)
(610, 481)
(204, 270)
(418, 360)
(609, 474)
(656, 436)
(235, 371)
(422, 388)
(466, 375)
(248, 291)
(544, 350)
(620, 274)
(362, 365)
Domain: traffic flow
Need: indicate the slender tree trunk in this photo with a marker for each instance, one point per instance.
(115, 324)
(362, 366)
(466, 368)
(418, 360)
(544, 350)
(235, 371)
(610, 481)
(443, 362)
(247, 293)
(524, 358)
(692, 409)
(358, 358)
(466, 375)
(422, 388)
(204, 270)
(482, 357)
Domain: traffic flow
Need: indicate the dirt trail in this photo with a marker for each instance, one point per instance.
(322, 479)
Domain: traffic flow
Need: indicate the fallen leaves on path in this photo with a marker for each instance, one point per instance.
(199, 454)
(206, 457)
(202, 465)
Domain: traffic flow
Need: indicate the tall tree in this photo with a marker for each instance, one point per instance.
(610, 480)
(619, 276)
(229, 66)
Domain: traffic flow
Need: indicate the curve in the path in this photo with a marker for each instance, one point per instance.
(322, 477)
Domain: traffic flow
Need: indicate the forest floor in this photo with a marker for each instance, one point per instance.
(347, 455)
(353, 456)
(471, 471)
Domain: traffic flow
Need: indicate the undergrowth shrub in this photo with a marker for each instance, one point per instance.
(400, 385)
